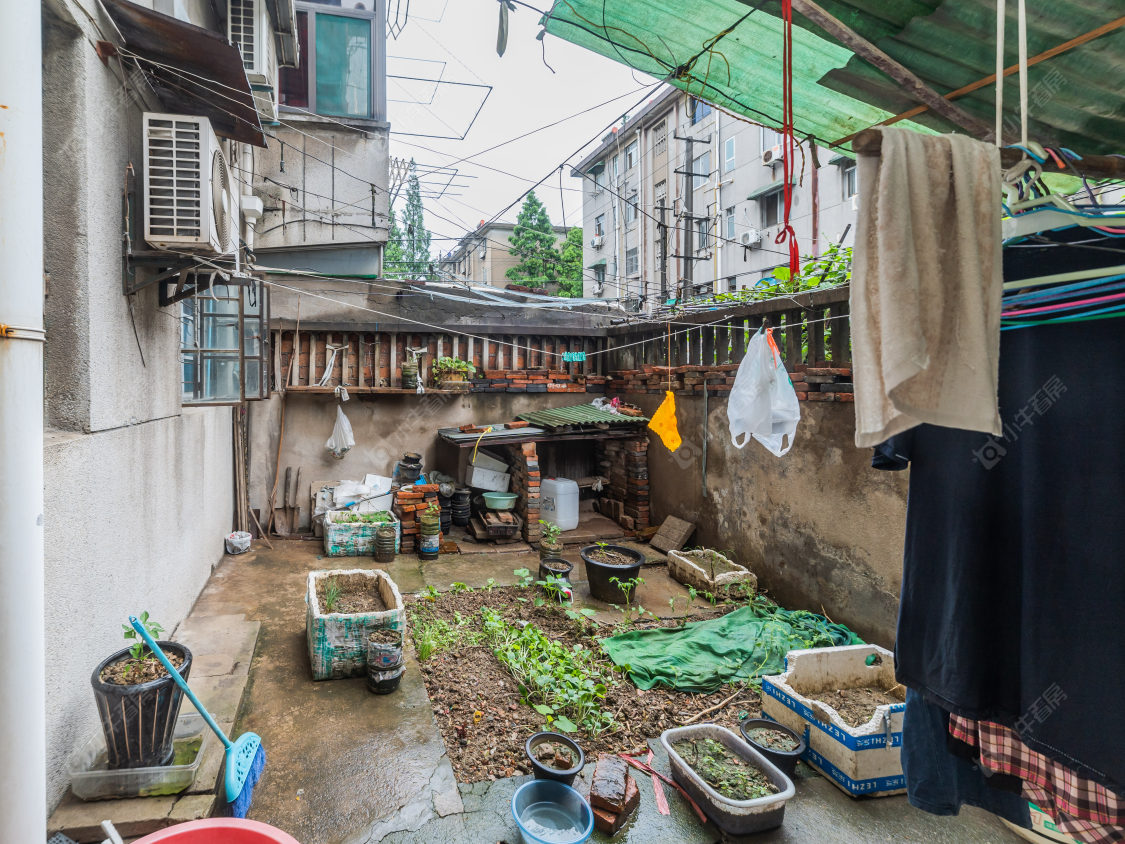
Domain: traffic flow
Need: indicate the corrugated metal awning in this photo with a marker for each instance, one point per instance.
(772, 187)
(193, 70)
(581, 414)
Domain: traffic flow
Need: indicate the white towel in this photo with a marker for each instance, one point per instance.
(926, 286)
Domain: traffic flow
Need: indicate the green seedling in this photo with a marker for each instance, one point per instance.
(139, 649)
(457, 587)
(430, 593)
(331, 595)
(490, 584)
(524, 576)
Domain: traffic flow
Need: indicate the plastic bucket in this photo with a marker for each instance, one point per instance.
(549, 808)
(226, 830)
(558, 502)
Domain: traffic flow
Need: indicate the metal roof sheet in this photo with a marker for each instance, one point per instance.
(580, 414)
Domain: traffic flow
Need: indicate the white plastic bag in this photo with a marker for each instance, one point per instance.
(763, 403)
(238, 542)
(341, 441)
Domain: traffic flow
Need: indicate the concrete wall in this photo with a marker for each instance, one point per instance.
(819, 526)
(138, 491)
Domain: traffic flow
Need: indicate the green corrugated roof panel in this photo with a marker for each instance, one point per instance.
(579, 414)
(1075, 97)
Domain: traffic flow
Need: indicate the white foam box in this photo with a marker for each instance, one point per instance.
(487, 479)
(863, 761)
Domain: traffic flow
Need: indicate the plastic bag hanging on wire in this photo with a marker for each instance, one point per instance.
(663, 422)
(341, 441)
(763, 403)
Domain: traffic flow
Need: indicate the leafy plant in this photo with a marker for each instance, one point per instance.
(331, 595)
(457, 587)
(525, 578)
(138, 650)
(628, 587)
(430, 593)
(723, 770)
(490, 584)
(557, 588)
(432, 635)
(551, 532)
(447, 365)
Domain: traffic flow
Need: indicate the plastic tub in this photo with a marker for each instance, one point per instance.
(500, 500)
(557, 807)
(558, 502)
(226, 830)
(733, 817)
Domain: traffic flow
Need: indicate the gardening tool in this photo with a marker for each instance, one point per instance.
(245, 757)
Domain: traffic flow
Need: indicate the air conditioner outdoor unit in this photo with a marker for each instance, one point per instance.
(249, 28)
(855, 201)
(751, 238)
(189, 198)
(483, 252)
(596, 241)
(773, 155)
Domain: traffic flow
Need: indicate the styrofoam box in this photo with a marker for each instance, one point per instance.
(484, 460)
(863, 761)
(487, 479)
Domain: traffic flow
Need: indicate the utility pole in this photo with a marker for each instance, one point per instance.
(689, 174)
(662, 228)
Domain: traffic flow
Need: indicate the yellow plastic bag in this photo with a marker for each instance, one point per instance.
(663, 422)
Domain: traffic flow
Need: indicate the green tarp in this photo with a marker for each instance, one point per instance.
(741, 645)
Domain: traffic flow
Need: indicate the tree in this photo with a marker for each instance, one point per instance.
(570, 264)
(392, 252)
(533, 242)
(413, 243)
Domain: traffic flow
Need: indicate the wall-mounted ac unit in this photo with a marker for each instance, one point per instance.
(751, 238)
(483, 252)
(596, 241)
(249, 29)
(855, 201)
(773, 155)
(189, 198)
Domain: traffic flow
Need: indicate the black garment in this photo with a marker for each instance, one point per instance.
(1013, 591)
(940, 782)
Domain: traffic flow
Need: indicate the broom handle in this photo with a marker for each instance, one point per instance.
(180, 681)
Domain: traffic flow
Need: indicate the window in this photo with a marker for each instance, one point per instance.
(223, 348)
(599, 276)
(701, 167)
(847, 177)
(598, 175)
(632, 266)
(699, 110)
(702, 233)
(631, 206)
(773, 206)
(616, 168)
(728, 155)
(660, 193)
(770, 138)
(660, 138)
(631, 156)
(730, 224)
(338, 75)
(732, 284)
(599, 225)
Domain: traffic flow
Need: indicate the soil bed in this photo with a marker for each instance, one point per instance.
(358, 593)
(133, 672)
(611, 558)
(555, 566)
(773, 739)
(478, 705)
(726, 772)
(554, 755)
(385, 636)
(857, 706)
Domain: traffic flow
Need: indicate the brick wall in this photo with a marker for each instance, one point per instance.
(626, 498)
(812, 383)
(524, 468)
(536, 381)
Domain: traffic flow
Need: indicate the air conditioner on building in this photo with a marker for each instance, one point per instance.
(751, 238)
(189, 198)
(483, 252)
(249, 29)
(855, 201)
(773, 155)
(596, 241)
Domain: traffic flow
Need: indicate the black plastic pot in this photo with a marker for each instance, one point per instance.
(545, 572)
(139, 721)
(786, 760)
(383, 682)
(599, 574)
(541, 771)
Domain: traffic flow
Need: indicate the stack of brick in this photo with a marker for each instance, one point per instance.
(526, 478)
(822, 383)
(626, 498)
(614, 795)
(536, 381)
(812, 383)
(409, 503)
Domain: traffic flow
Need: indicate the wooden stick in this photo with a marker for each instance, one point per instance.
(711, 709)
(261, 532)
(641, 766)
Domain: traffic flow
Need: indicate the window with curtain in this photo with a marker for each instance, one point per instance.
(730, 223)
(728, 155)
(336, 76)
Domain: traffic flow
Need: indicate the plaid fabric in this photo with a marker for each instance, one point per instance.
(1080, 807)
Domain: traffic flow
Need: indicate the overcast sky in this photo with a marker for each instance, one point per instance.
(461, 47)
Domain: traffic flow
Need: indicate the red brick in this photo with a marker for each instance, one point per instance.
(556, 388)
(844, 396)
(821, 396)
(802, 395)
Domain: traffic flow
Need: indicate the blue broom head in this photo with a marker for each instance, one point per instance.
(245, 761)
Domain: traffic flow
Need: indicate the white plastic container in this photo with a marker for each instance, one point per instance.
(558, 502)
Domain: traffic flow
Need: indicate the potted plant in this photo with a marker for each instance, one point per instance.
(555, 567)
(550, 543)
(451, 369)
(138, 703)
(610, 566)
(554, 756)
(776, 742)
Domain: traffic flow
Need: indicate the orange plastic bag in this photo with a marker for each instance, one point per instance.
(663, 422)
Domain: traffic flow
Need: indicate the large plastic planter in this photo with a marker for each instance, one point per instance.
(733, 817)
(598, 575)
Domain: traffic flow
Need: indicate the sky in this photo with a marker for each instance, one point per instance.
(455, 40)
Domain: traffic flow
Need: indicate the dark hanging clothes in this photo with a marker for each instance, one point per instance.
(1013, 592)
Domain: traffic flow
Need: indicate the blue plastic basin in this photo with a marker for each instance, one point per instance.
(549, 812)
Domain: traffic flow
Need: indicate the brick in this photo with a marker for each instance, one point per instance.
(819, 396)
(556, 388)
(608, 785)
(802, 395)
(844, 396)
(837, 388)
(816, 370)
(516, 389)
(819, 379)
(801, 386)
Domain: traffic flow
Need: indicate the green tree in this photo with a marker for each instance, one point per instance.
(570, 264)
(533, 242)
(392, 252)
(413, 239)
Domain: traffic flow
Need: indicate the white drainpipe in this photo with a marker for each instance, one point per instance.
(23, 732)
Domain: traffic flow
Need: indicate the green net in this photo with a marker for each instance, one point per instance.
(703, 655)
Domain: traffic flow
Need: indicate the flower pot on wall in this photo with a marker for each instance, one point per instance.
(139, 720)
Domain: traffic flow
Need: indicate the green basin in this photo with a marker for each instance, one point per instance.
(500, 500)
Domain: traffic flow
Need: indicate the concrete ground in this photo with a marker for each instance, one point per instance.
(348, 767)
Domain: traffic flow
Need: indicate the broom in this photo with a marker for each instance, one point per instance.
(245, 757)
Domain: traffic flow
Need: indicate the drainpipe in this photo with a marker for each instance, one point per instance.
(23, 731)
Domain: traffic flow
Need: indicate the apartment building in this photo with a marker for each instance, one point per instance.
(681, 199)
(483, 256)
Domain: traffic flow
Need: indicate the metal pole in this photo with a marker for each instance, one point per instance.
(23, 733)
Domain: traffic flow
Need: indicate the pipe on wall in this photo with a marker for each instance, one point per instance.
(23, 729)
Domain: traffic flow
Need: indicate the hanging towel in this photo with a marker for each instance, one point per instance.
(663, 422)
(926, 286)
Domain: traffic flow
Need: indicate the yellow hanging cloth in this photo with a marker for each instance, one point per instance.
(663, 422)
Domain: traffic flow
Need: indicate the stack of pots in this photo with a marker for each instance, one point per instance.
(446, 514)
(429, 535)
(385, 536)
(410, 374)
(409, 469)
(384, 661)
(460, 508)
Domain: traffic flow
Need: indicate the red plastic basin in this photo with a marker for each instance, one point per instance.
(220, 831)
